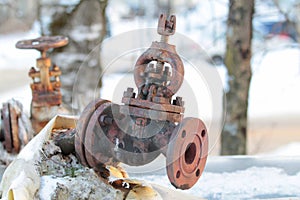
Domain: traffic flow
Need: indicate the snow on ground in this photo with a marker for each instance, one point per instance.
(272, 175)
(291, 149)
(251, 183)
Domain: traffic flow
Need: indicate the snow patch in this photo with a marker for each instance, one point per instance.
(291, 149)
(13, 58)
(67, 58)
(82, 33)
(251, 183)
(48, 186)
(69, 2)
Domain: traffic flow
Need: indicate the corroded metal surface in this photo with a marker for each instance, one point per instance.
(81, 128)
(187, 153)
(162, 53)
(5, 116)
(166, 27)
(45, 86)
(149, 122)
(96, 153)
(43, 43)
(16, 130)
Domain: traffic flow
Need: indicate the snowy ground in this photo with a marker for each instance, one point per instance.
(251, 183)
(240, 177)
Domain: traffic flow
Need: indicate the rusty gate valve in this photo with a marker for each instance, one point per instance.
(46, 83)
(149, 122)
(45, 86)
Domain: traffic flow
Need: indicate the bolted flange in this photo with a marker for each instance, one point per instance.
(16, 130)
(187, 153)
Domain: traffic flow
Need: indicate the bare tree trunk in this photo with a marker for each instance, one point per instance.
(237, 61)
(84, 23)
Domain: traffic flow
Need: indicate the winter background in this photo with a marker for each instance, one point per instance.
(272, 168)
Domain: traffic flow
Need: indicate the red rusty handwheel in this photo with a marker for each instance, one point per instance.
(187, 153)
(43, 43)
(81, 128)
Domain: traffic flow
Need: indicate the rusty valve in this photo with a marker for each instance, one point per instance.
(46, 96)
(149, 122)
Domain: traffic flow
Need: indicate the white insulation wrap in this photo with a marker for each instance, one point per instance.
(21, 180)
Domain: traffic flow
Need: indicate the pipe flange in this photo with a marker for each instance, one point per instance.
(187, 153)
(81, 128)
(98, 147)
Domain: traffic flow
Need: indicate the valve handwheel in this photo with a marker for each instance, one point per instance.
(187, 153)
(43, 43)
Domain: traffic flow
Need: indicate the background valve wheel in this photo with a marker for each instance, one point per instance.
(43, 43)
(187, 153)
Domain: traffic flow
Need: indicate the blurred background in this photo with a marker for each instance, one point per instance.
(273, 113)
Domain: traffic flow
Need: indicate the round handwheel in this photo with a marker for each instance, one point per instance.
(187, 153)
(81, 128)
(165, 53)
(43, 43)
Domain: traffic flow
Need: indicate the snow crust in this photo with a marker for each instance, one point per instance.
(251, 183)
